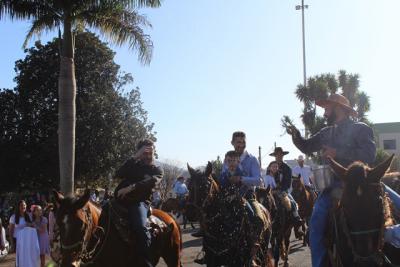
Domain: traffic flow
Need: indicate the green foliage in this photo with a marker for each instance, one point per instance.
(320, 87)
(217, 167)
(110, 120)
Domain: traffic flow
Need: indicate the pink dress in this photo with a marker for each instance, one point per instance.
(44, 243)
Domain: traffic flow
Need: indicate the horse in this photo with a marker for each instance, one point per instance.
(225, 223)
(358, 221)
(173, 205)
(282, 225)
(305, 199)
(91, 236)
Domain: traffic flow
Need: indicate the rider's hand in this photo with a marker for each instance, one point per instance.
(235, 179)
(124, 191)
(293, 131)
(328, 152)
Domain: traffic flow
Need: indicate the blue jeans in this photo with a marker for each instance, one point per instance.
(137, 216)
(318, 224)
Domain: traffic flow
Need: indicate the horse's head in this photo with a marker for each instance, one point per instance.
(75, 223)
(365, 208)
(201, 186)
(265, 197)
(297, 184)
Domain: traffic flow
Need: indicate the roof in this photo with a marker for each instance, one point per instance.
(387, 127)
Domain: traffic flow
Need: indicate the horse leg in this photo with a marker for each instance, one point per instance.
(191, 224)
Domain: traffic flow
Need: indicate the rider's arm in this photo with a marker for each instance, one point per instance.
(313, 144)
(254, 178)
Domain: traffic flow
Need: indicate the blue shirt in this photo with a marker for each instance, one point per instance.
(352, 140)
(225, 183)
(251, 173)
(180, 188)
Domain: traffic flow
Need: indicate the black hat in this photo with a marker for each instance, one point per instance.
(277, 150)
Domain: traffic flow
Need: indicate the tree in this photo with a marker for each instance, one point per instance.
(109, 122)
(171, 171)
(320, 86)
(217, 167)
(117, 20)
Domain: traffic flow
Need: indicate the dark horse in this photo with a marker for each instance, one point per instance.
(226, 226)
(91, 236)
(358, 222)
(173, 205)
(305, 199)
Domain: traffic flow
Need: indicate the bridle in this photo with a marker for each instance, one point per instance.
(85, 256)
(208, 196)
(377, 256)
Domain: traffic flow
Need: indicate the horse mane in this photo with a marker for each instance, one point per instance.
(388, 217)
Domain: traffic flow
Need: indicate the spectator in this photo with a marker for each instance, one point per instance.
(26, 239)
(40, 222)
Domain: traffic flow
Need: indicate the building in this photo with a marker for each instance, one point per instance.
(388, 137)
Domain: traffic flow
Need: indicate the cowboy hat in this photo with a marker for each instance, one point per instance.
(338, 100)
(277, 150)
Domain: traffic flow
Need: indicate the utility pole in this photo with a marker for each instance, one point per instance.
(302, 7)
(259, 156)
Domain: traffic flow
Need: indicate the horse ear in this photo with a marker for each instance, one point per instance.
(209, 169)
(379, 171)
(268, 189)
(191, 170)
(58, 196)
(338, 169)
(81, 202)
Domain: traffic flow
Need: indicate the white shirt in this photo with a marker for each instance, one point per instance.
(19, 226)
(269, 181)
(305, 173)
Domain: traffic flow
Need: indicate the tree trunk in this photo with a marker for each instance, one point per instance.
(66, 112)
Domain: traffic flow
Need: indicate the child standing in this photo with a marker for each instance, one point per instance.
(40, 222)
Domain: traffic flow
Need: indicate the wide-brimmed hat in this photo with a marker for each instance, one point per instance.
(339, 100)
(277, 150)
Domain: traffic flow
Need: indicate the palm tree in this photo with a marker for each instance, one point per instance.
(116, 20)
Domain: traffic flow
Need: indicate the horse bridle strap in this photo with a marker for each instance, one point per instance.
(366, 232)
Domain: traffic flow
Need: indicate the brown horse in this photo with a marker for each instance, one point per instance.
(358, 222)
(305, 199)
(225, 223)
(173, 205)
(91, 236)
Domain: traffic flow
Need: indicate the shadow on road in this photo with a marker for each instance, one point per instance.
(192, 243)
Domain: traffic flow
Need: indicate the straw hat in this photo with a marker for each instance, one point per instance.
(338, 100)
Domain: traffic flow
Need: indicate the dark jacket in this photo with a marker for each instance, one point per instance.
(352, 140)
(284, 178)
(134, 172)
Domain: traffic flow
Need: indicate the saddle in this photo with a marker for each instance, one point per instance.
(119, 218)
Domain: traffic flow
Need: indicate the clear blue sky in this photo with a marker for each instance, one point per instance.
(221, 66)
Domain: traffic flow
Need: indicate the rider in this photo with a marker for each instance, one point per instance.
(304, 172)
(140, 176)
(283, 179)
(180, 190)
(344, 140)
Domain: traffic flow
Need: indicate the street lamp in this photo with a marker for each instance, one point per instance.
(302, 7)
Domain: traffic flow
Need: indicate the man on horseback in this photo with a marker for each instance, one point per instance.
(304, 172)
(181, 191)
(140, 176)
(344, 140)
(283, 181)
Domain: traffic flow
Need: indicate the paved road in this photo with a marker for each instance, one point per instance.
(299, 255)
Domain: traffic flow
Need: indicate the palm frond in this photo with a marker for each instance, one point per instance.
(44, 23)
(121, 26)
(26, 9)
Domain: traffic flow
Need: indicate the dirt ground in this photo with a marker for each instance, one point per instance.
(299, 255)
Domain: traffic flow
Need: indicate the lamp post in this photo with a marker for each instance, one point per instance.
(302, 7)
